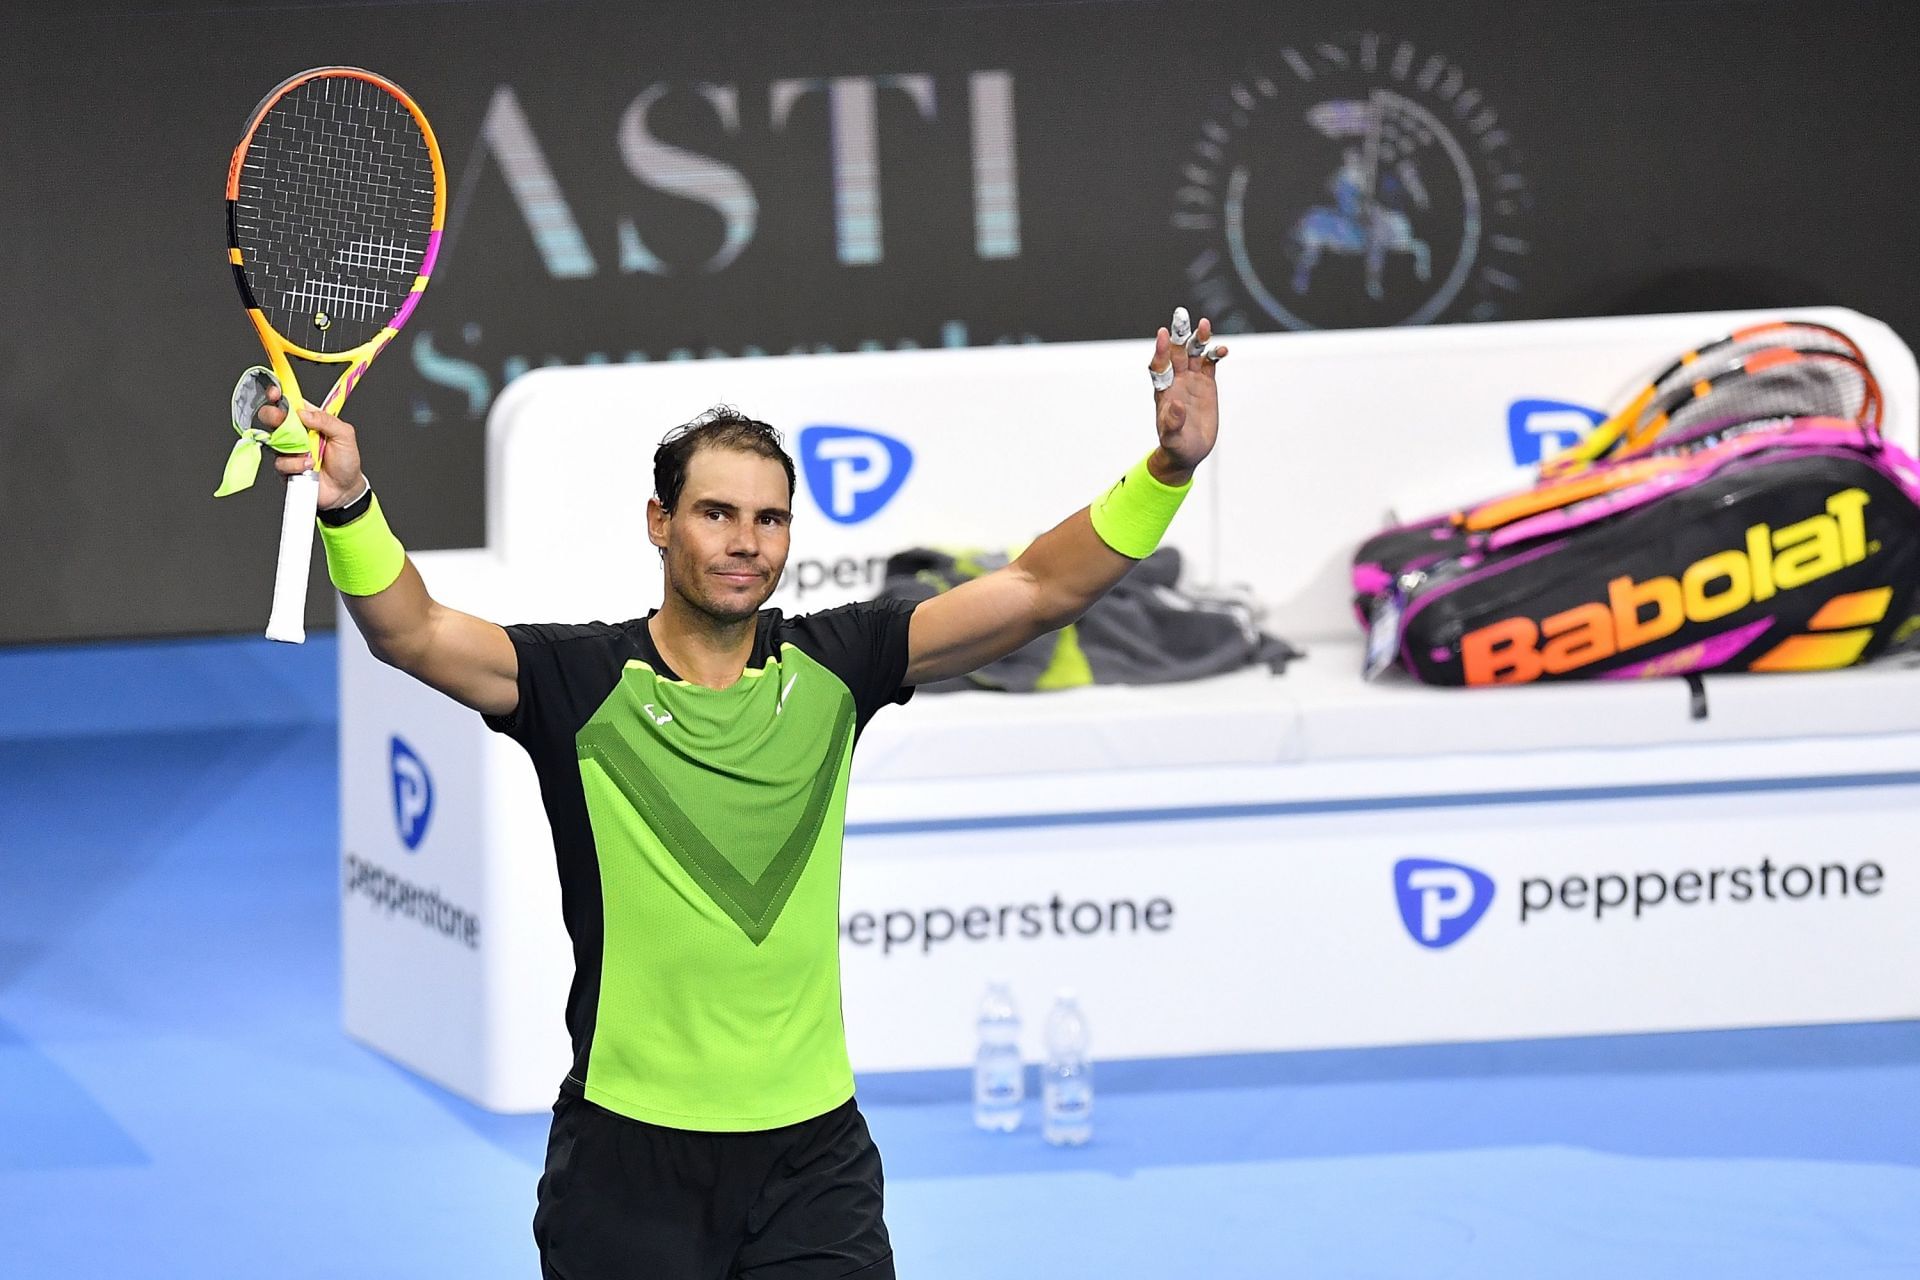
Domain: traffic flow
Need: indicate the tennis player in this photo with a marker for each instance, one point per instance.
(693, 764)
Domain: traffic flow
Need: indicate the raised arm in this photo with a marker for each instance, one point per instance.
(1076, 562)
(469, 659)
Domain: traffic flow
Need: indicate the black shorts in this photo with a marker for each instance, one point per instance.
(622, 1198)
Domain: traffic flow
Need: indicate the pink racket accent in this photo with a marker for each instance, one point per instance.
(406, 309)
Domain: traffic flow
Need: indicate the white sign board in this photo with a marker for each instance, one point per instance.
(1249, 863)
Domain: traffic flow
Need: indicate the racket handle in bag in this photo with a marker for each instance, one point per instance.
(287, 622)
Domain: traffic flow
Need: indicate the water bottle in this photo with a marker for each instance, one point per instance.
(999, 1084)
(1067, 1088)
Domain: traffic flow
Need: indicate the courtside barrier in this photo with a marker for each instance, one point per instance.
(1243, 864)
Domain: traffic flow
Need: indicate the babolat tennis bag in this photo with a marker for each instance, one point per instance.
(1709, 405)
(1791, 545)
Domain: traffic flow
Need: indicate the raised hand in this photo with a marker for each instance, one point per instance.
(1186, 400)
(340, 478)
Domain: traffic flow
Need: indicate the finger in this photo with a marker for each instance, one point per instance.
(1160, 368)
(324, 424)
(1197, 344)
(1180, 330)
(292, 464)
(271, 415)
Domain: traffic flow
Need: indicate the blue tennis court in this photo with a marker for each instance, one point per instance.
(177, 1097)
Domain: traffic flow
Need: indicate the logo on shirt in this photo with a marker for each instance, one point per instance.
(656, 715)
(1440, 901)
(851, 472)
(412, 794)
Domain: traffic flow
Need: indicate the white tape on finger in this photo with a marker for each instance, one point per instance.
(1181, 330)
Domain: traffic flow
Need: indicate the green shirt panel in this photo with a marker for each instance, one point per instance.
(718, 815)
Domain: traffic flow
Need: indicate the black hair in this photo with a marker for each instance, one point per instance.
(721, 427)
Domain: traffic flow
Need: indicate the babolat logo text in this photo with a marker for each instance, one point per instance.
(1440, 901)
(1771, 561)
(852, 472)
(412, 794)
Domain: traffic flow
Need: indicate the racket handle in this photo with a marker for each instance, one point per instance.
(288, 619)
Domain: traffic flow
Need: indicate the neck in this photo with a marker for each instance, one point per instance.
(699, 647)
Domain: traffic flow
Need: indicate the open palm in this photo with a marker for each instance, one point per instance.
(1187, 414)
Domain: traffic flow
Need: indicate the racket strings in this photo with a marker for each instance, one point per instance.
(335, 211)
(1811, 385)
(1717, 359)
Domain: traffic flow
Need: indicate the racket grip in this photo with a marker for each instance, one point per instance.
(287, 622)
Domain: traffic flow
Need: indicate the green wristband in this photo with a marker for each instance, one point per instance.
(1133, 516)
(363, 558)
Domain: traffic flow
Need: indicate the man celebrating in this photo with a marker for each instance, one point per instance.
(693, 765)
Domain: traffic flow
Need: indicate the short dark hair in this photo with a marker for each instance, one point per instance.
(721, 427)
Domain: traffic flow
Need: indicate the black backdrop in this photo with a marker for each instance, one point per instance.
(637, 181)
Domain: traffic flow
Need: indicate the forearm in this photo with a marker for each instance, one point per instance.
(398, 621)
(1065, 570)
(383, 592)
(469, 659)
(1071, 565)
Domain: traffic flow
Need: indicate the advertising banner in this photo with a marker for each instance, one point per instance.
(771, 179)
(1390, 924)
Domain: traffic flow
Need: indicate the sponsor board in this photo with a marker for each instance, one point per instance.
(1247, 935)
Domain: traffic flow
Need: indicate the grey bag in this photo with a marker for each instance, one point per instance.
(1146, 630)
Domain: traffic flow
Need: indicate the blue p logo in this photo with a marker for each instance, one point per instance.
(1440, 901)
(1539, 428)
(852, 473)
(412, 794)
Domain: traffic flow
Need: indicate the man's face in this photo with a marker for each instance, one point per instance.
(726, 542)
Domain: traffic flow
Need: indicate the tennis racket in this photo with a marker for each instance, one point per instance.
(1757, 387)
(335, 199)
(1633, 420)
(1767, 383)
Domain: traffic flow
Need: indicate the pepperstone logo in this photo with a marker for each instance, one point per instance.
(1538, 429)
(1358, 182)
(851, 472)
(412, 794)
(1440, 901)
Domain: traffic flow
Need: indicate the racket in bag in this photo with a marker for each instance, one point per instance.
(1757, 381)
(1793, 549)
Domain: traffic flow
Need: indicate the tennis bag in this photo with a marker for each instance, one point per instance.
(1719, 400)
(1403, 550)
(1795, 550)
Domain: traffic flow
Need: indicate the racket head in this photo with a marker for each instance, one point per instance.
(1764, 383)
(1632, 424)
(336, 196)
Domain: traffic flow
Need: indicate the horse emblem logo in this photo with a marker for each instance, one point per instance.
(1367, 217)
(1356, 183)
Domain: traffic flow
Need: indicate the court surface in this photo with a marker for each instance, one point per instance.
(177, 1097)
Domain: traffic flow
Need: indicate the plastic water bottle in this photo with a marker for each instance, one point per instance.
(999, 1083)
(1067, 1083)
